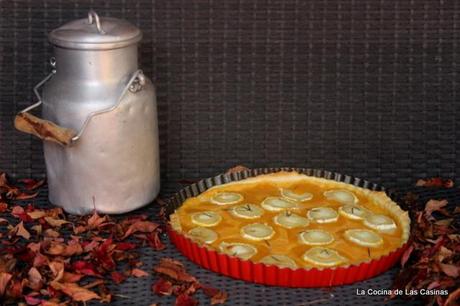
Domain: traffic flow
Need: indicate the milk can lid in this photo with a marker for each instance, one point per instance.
(94, 33)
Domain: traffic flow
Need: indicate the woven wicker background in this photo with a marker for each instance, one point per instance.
(367, 88)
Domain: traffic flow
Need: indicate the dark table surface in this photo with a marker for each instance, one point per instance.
(137, 291)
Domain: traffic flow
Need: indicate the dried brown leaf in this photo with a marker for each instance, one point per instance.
(20, 230)
(35, 279)
(70, 249)
(140, 226)
(4, 280)
(117, 277)
(34, 246)
(138, 273)
(95, 220)
(444, 253)
(104, 255)
(406, 255)
(435, 182)
(31, 184)
(57, 268)
(217, 296)
(51, 233)
(37, 228)
(236, 169)
(25, 196)
(71, 277)
(77, 293)
(434, 205)
(450, 270)
(174, 270)
(37, 214)
(5, 187)
(162, 287)
(55, 222)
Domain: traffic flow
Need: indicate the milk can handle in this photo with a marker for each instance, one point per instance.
(93, 17)
(135, 84)
(49, 131)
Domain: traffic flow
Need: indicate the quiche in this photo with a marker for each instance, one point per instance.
(291, 220)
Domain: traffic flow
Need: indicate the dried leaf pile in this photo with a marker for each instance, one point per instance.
(435, 182)
(431, 263)
(174, 280)
(49, 258)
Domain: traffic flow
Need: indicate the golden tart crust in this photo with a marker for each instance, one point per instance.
(349, 233)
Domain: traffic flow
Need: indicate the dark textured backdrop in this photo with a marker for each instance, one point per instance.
(367, 88)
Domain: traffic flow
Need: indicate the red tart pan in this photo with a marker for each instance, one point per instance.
(272, 275)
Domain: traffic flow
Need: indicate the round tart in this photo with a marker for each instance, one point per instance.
(323, 257)
(257, 231)
(380, 223)
(364, 238)
(289, 219)
(247, 211)
(284, 219)
(202, 234)
(241, 250)
(291, 195)
(281, 261)
(226, 198)
(323, 215)
(277, 204)
(206, 218)
(316, 237)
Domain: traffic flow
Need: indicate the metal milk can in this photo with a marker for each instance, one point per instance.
(99, 123)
